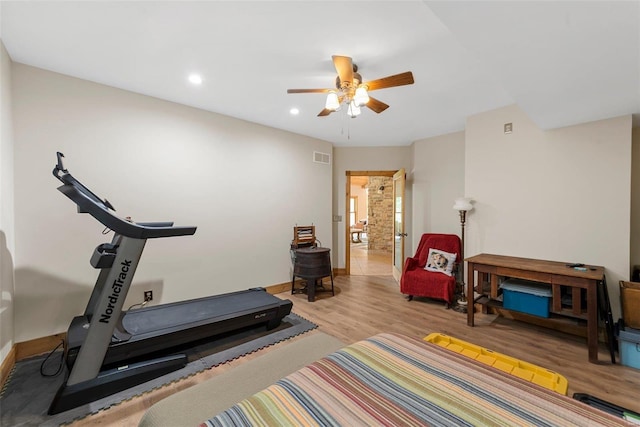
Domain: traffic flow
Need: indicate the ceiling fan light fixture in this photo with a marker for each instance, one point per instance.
(332, 101)
(354, 110)
(352, 92)
(361, 96)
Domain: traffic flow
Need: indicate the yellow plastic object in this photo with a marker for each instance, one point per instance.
(527, 371)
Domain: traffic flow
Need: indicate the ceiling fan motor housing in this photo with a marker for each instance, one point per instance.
(357, 79)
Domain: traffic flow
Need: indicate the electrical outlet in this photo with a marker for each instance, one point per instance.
(148, 295)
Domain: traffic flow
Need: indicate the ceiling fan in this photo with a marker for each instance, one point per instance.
(352, 91)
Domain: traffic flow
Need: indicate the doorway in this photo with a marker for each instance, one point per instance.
(370, 223)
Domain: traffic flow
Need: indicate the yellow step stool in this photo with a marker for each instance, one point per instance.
(527, 371)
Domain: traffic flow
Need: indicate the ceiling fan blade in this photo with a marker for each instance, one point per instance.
(401, 79)
(309, 90)
(376, 105)
(325, 112)
(344, 67)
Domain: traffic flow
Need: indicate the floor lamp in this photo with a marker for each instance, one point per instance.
(462, 205)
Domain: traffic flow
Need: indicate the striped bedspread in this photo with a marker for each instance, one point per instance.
(394, 380)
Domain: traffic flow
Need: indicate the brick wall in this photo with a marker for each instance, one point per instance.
(380, 215)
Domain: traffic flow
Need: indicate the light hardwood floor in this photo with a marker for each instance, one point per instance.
(366, 305)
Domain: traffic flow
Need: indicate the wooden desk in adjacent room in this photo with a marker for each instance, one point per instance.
(557, 274)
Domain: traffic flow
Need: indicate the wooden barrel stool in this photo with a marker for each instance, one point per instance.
(312, 264)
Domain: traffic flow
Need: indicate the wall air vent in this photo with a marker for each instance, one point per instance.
(319, 157)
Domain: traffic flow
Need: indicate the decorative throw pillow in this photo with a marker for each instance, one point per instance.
(440, 261)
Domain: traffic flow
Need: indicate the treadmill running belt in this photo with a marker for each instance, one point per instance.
(154, 319)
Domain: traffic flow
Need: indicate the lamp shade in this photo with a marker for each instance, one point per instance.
(332, 101)
(353, 109)
(361, 96)
(463, 204)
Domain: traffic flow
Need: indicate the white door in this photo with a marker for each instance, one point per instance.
(398, 223)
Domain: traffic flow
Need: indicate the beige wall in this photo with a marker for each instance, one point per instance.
(244, 185)
(437, 179)
(7, 246)
(561, 195)
(363, 159)
(635, 199)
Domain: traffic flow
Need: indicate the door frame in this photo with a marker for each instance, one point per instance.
(347, 234)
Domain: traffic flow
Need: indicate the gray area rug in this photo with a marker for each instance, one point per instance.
(26, 396)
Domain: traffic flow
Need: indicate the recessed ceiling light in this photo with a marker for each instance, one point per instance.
(195, 79)
(294, 111)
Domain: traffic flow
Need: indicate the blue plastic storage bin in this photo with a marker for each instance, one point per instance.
(526, 296)
(629, 342)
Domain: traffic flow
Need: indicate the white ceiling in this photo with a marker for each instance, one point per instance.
(563, 63)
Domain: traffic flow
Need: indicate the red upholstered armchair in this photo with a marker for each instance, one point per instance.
(416, 281)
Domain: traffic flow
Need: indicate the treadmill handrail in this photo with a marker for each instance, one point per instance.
(102, 211)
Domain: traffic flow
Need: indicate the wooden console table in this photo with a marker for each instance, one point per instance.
(557, 274)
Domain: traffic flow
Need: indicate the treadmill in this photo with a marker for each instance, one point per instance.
(109, 349)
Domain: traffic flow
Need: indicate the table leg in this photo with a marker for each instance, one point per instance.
(494, 286)
(592, 321)
(576, 300)
(556, 297)
(311, 290)
(470, 301)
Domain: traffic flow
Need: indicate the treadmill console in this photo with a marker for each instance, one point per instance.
(103, 211)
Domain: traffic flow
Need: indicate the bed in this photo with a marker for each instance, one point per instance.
(394, 380)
